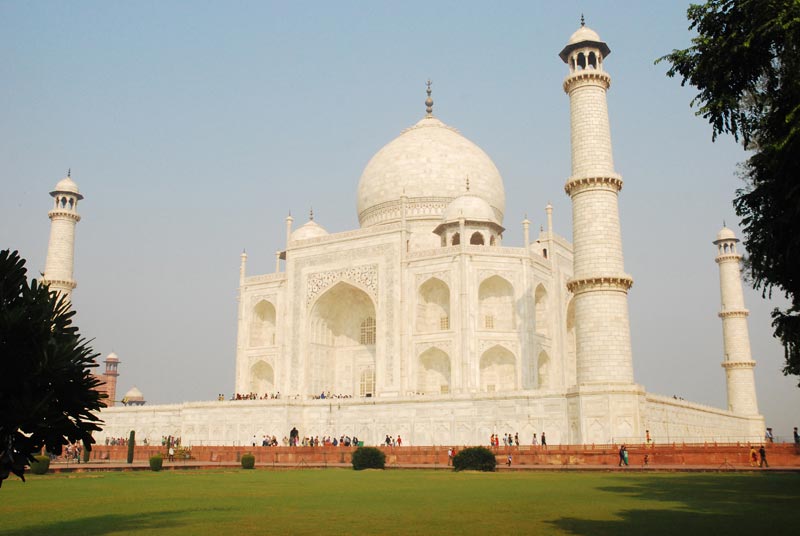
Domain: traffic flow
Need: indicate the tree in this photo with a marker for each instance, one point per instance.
(48, 393)
(745, 63)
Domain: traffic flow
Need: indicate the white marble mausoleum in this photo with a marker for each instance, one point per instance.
(423, 323)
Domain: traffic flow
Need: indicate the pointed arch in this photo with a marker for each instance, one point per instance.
(496, 304)
(433, 372)
(262, 324)
(456, 240)
(433, 306)
(476, 239)
(498, 370)
(343, 328)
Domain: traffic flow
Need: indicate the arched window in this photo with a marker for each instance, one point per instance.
(71, 202)
(544, 252)
(368, 331)
(456, 240)
(592, 60)
(581, 61)
(433, 372)
(476, 239)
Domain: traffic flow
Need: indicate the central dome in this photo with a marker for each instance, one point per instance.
(430, 164)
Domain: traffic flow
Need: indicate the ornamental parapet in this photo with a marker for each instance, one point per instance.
(740, 313)
(586, 77)
(738, 364)
(613, 282)
(611, 182)
(60, 283)
(64, 214)
(728, 257)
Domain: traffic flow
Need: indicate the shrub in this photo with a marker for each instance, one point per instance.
(248, 461)
(131, 444)
(475, 459)
(368, 458)
(156, 462)
(40, 465)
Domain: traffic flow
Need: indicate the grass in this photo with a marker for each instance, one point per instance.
(342, 501)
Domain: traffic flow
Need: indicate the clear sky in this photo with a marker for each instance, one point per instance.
(193, 128)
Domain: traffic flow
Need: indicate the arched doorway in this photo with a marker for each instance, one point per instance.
(342, 345)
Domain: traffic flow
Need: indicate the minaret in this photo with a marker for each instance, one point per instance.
(738, 362)
(110, 378)
(600, 284)
(61, 248)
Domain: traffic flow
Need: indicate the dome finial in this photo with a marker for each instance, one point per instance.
(583, 21)
(311, 214)
(69, 172)
(723, 223)
(429, 100)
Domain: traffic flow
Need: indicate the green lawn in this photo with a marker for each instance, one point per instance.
(342, 501)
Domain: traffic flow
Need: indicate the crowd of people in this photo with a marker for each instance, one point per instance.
(294, 440)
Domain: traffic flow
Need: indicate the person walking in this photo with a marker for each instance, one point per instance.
(753, 457)
(762, 453)
(796, 437)
(544, 440)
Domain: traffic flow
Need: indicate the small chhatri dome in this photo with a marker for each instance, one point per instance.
(470, 207)
(584, 37)
(112, 357)
(726, 234)
(133, 395)
(310, 229)
(66, 185)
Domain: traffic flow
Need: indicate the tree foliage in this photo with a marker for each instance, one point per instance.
(48, 393)
(745, 64)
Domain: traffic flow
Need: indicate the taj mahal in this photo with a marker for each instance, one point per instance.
(423, 323)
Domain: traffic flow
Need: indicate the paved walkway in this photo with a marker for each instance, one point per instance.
(64, 467)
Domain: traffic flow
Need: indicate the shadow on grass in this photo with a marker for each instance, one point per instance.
(707, 504)
(109, 523)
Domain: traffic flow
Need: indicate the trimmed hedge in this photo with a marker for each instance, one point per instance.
(40, 465)
(156, 462)
(475, 459)
(248, 461)
(368, 458)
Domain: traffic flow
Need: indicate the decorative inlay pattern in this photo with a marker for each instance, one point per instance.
(60, 283)
(510, 345)
(365, 276)
(445, 346)
(443, 275)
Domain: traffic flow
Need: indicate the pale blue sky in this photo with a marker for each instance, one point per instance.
(192, 128)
